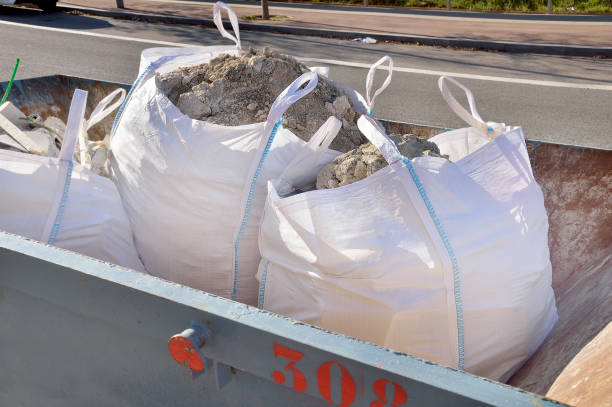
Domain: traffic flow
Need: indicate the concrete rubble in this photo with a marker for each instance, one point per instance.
(365, 160)
(31, 134)
(26, 133)
(234, 91)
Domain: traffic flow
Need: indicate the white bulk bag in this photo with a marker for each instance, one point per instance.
(201, 53)
(194, 191)
(59, 202)
(444, 260)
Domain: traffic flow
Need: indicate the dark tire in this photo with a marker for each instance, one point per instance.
(48, 5)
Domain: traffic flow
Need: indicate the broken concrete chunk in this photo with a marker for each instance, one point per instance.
(341, 105)
(16, 118)
(187, 79)
(411, 146)
(58, 126)
(190, 105)
(31, 144)
(99, 159)
(8, 143)
(327, 177)
(45, 140)
(365, 160)
(257, 63)
(290, 123)
(14, 115)
(240, 90)
(168, 82)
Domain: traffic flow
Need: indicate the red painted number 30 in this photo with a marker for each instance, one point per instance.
(348, 389)
(299, 381)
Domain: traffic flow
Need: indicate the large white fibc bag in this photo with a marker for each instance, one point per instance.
(58, 201)
(194, 191)
(444, 260)
(202, 53)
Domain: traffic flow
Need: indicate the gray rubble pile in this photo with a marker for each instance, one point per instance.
(234, 91)
(365, 160)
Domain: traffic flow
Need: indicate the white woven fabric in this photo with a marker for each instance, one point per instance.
(444, 260)
(58, 201)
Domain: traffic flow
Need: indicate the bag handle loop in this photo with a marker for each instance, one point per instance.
(103, 109)
(291, 95)
(325, 134)
(296, 172)
(370, 81)
(473, 118)
(377, 136)
(74, 124)
(233, 20)
(288, 97)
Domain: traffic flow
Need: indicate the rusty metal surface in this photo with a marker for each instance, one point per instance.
(412, 128)
(51, 96)
(577, 187)
(585, 307)
(587, 381)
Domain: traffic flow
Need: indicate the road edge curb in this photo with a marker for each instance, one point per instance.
(514, 47)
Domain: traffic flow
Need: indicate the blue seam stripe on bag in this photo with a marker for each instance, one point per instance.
(453, 258)
(60, 210)
(247, 208)
(262, 286)
(129, 95)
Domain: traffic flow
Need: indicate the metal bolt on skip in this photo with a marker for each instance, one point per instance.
(185, 347)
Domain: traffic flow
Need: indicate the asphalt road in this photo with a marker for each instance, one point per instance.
(561, 99)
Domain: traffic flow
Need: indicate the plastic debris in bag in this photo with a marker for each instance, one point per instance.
(30, 134)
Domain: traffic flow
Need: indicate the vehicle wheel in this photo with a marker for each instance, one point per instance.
(48, 5)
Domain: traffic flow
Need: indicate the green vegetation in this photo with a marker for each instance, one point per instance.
(253, 17)
(559, 6)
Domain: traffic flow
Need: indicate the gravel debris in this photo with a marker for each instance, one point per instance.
(365, 160)
(234, 91)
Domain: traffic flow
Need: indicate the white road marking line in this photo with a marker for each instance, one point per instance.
(466, 75)
(338, 62)
(100, 35)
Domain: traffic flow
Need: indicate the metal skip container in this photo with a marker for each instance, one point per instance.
(77, 331)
